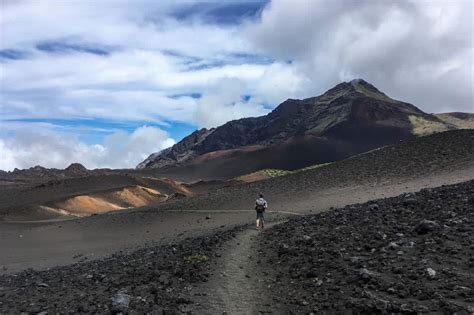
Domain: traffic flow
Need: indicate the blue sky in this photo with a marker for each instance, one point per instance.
(108, 83)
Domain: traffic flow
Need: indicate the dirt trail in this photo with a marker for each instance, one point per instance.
(235, 287)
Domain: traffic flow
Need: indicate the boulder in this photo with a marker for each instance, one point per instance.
(426, 226)
(120, 303)
(431, 272)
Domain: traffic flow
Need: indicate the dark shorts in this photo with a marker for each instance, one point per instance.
(260, 215)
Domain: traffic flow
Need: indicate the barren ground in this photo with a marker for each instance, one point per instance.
(367, 258)
(190, 254)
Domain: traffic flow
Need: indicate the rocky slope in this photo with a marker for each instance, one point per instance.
(409, 254)
(416, 159)
(153, 279)
(350, 118)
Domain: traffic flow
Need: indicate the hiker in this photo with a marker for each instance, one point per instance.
(260, 206)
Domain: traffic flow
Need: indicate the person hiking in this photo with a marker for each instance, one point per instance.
(260, 206)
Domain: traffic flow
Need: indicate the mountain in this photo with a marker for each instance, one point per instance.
(76, 168)
(351, 118)
(458, 120)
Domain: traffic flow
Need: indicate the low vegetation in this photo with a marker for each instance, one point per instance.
(423, 127)
(467, 123)
(196, 258)
(275, 172)
(361, 89)
(272, 172)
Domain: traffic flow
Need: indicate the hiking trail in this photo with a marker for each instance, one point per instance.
(235, 287)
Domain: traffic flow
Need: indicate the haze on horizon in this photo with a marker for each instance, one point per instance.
(106, 84)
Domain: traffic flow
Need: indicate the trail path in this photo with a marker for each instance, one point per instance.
(235, 286)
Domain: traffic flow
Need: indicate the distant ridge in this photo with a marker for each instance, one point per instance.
(348, 119)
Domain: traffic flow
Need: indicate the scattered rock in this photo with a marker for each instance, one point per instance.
(426, 226)
(283, 249)
(365, 274)
(374, 261)
(431, 272)
(393, 245)
(409, 201)
(374, 206)
(355, 259)
(120, 303)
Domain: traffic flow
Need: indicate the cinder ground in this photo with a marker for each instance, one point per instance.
(41, 245)
(365, 259)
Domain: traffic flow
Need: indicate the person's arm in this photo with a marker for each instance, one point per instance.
(266, 205)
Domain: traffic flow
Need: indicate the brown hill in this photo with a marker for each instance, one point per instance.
(82, 196)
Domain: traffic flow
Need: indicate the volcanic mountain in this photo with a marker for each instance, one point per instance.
(351, 118)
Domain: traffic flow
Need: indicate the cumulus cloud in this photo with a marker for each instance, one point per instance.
(233, 98)
(128, 68)
(418, 51)
(227, 102)
(48, 148)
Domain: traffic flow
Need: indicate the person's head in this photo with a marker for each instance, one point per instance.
(260, 195)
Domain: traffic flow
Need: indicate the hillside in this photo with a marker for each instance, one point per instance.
(84, 195)
(408, 254)
(351, 118)
(450, 153)
(459, 120)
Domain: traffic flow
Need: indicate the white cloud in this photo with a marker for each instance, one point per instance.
(46, 147)
(417, 51)
(130, 84)
(268, 86)
(225, 104)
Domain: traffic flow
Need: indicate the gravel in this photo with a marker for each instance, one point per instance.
(401, 257)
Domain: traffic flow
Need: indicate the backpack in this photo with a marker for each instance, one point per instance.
(260, 204)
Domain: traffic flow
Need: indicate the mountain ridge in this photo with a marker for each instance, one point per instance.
(350, 118)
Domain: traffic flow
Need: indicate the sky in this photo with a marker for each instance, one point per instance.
(106, 83)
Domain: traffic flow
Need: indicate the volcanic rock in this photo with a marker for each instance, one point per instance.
(120, 303)
(363, 281)
(431, 272)
(426, 226)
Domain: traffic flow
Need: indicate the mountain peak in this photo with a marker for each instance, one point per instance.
(369, 90)
(76, 167)
(355, 113)
(354, 88)
(359, 81)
